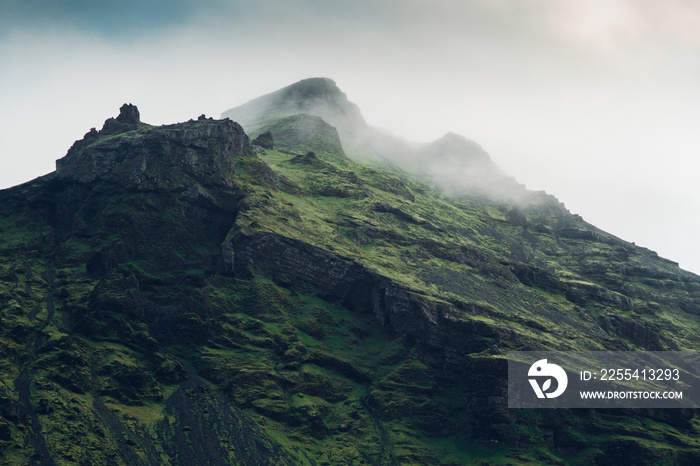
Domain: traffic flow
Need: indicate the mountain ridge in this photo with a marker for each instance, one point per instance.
(472, 170)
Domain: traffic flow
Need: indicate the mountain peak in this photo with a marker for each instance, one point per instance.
(313, 87)
(450, 136)
(312, 96)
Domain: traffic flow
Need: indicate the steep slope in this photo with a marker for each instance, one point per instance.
(173, 295)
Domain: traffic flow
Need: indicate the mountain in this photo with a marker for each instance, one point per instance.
(179, 295)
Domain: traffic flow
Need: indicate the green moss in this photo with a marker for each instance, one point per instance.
(123, 341)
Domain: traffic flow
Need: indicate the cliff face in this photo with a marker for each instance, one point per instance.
(174, 295)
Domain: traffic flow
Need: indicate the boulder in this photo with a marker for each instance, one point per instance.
(264, 140)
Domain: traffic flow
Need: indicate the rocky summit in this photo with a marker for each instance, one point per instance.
(179, 295)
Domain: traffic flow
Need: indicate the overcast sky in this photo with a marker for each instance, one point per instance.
(595, 101)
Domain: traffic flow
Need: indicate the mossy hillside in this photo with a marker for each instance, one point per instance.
(312, 369)
(464, 250)
(564, 284)
(127, 341)
(130, 318)
(476, 250)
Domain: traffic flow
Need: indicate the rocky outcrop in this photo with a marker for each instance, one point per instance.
(642, 334)
(454, 145)
(265, 140)
(198, 415)
(306, 159)
(127, 152)
(129, 119)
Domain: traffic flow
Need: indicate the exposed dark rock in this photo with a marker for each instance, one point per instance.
(643, 335)
(106, 260)
(331, 191)
(400, 214)
(171, 372)
(204, 427)
(5, 432)
(160, 156)
(307, 159)
(129, 119)
(516, 217)
(264, 140)
(129, 384)
(396, 186)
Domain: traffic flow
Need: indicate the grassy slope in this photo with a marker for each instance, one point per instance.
(99, 366)
(468, 251)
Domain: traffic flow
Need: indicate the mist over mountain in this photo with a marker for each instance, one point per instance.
(456, 164)
(313, 96)
(202, 293)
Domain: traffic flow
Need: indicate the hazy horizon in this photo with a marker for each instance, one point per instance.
(594, 102)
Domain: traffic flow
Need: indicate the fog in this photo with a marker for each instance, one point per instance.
(456, 165)
(595, 102)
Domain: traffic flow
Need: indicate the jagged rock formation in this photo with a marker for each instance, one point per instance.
(171, 296)
(127, 151)
(128, 119)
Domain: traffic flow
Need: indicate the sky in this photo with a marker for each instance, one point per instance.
(596, 102)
